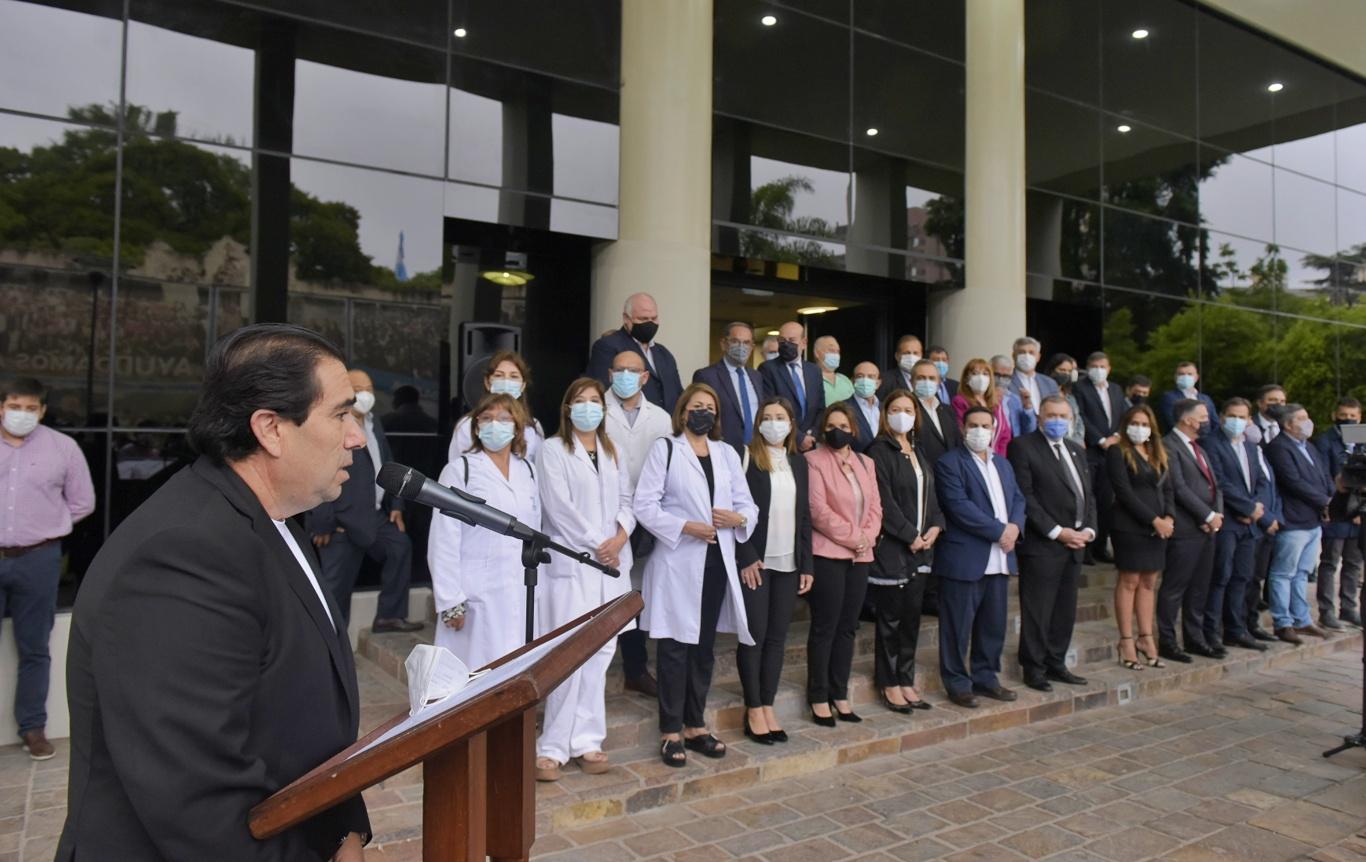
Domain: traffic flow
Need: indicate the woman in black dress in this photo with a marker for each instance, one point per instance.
(1142, 523)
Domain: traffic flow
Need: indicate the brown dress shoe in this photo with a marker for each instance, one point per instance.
(1312, 629)
(1288, 635)
(37, 746)
(644, 684)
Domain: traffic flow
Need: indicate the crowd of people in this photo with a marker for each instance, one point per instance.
(893, 492)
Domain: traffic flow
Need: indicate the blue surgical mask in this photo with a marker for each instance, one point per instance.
(1056, 429)
(864, 387)
(942, 366)
(504, 386)
(926, 389)
(1185, 381)
(586, 415)
(1234, 426)
(831, 361)
(625, 383)
(496, 434)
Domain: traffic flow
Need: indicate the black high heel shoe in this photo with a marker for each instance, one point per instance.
(761, 738)
(849, 716)
(903, 708)
(823, 720)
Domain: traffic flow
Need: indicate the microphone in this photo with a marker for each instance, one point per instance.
(408, 484)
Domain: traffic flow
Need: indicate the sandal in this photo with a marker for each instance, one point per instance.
(672, 753)
(1150, 660)
(547, 769)
(707, 745)
(594, 763)
(1129, 664)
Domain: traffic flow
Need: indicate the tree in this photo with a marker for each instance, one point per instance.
(772, 206)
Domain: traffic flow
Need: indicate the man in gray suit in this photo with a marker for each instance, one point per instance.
(1028, 384)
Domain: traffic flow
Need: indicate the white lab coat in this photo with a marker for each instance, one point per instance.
(581, 507)
(666, 499)
(634, 442)
(462, 438)
(480, 567)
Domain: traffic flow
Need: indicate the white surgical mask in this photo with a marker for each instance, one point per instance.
(1098, 374)
(365, 402)
(504, 386)
(20, 423)
(901, 423)
(978, 439)
(908, 361)
(775, 431)
(926, 389)
(585, 415)
(1306, 428)
(979, 382)
(1026, 362)
(770, 355)
(1139, 433)
(496, 434)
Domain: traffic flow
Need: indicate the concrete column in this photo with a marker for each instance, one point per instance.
(664, 244)
(989, 313)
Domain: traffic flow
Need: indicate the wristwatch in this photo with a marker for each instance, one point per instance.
(454, 613)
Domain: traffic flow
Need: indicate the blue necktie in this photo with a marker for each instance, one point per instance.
(797, 387)
(744, 405)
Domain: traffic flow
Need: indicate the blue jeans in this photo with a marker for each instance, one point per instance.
(28, 592)
(1295, 556)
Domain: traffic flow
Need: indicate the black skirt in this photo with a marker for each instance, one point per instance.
(1138, 553)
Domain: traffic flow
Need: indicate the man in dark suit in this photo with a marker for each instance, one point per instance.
(798, 381)
(738, 385)
(948, 387)
(365, 521)
(908, 352)
(1270, 525)
(1340, 537)
(1190, 550)
(1060, 513)
(207, 667)
(1028, 384)
(639, 325)
(1270, 400)
(867, 406)
(1102, 405)
(985, 514)
(937, 431)
(1233, 458)
(1187, 378)
(1306, 489)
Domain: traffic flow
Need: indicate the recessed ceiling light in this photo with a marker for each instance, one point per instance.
(769, 20)
(872, 133)
(461, 32)
(1124, 128)
(1140, 33)
(773, 332)
(817, 309)
(1275, 87)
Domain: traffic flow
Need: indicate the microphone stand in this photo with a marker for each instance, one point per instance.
(534, 547)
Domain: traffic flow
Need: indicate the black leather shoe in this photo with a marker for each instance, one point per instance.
(1246, 642)
(1066, 676)
(823, 720)
(1328, 622)
(903, 708)
(1261, 634)
(999, 692)
(1039, 684)
(778, 735)
(644, 684)
(1205, 651)
(963, 699)
(761, 738)
(382, 626)
(1351, 617)
(1171, 653)
(850, 716)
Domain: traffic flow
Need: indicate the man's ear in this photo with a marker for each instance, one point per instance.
(265, 424)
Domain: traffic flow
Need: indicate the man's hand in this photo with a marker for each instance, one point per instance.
(321, 540)
(1009, 537)
(1074, 539)
(1257, 512)
(396, 518)
(808, 443)
(351, 850)
(1274, 528)
(1107, 442)
(1026, 399)
(930, 536)
(1214, 524)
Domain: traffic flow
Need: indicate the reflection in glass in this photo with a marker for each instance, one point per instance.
(574, 39)
(1151, 254)
(583, 219)
(1065, 315)
(1153, 78)
(912, 100)
(1351, 232)
(1149, 335)
(1234, 359)
(1246, 271)
(1063, 237)
(1235, 195)
(1304, 213)
(37, 42)
(1062, 146)
(476, 138)
(159, 353)
(1351, 151)
(399, 344)
(422, 21)
(932, 25)
(1236, 65)
(1148, 170)
(323, 315)
(586, 154)
(1062, 48)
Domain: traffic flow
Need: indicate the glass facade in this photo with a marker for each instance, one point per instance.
(1195, 192)
(195, 165)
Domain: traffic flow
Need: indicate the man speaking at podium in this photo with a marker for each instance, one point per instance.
(207, 668)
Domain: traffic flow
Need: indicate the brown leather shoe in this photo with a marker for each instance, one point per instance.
(37, 746)
(1313, 630)
(1288, 635)
(644, 684)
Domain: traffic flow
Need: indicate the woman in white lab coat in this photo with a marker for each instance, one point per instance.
(585, 504)
(693, 497)
(477, 574)
(506, 374)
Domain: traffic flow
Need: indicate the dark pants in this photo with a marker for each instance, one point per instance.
(341, 560)
(1261, 564)
(28, 593)
(1105, 498)
(971, 611)
(1235, 551)
(836, 597)
(1048, 611)
(1185, 582)
(897, 633)
(635, 658)
(769, 611)
(1348, 551)
(685, 669)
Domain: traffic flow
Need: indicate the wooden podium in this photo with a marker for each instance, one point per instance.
(477, 756)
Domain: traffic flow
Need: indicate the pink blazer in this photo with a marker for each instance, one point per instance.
(833, 508)
(1003, 432)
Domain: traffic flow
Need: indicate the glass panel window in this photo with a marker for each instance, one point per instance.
(1235, 194)
(1149, 62)
(38, 42)
(1062, 48)
(1063, 237)
(1149, 170)
(1304, 213)
(933, 25)
(1062, 146)
(907, 103)
(1151, 254)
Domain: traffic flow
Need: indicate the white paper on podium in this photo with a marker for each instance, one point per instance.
(485, 681)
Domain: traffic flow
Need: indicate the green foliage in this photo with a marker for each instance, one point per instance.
(771, 206)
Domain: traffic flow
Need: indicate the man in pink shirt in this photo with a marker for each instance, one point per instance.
(45, 487)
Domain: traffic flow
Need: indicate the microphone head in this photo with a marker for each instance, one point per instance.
(403, 482)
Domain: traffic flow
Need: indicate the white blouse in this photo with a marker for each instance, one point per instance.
(780, 550)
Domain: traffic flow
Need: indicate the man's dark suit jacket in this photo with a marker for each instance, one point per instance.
(1095, 426)
(664, 386)
(1334, 450)
(720, 376)
(1240, 501)
(929, 440)
(964, 550)
(203, 676)
(778, 381)
(354, 511)
(1194, 499)
(1305, 488)
(1049, 499)
(1166, 407)
(866, 433)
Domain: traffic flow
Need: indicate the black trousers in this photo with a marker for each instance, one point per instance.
(685, 669)
(1235, 548)
(836, 597)
(1261, 564)
(1185, 584)
(1048, 612)
(341, 559)
(769, 611)
(1105, 499)
(897, 619)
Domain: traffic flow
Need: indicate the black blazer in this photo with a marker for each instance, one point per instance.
(1095, 426)
(664, 386)
(203, 676)
(354, 511)
(778, 381)
(1049, 497)
(928, 439)
(719, 376)
(900, 493)
(1194, 499)
(1139, 496)
(747, 553)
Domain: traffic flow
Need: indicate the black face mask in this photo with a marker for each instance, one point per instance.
(787, 351)
(700, 422)
(1063, 378)
(838, 438)
(644, 332)
(1138, 399)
